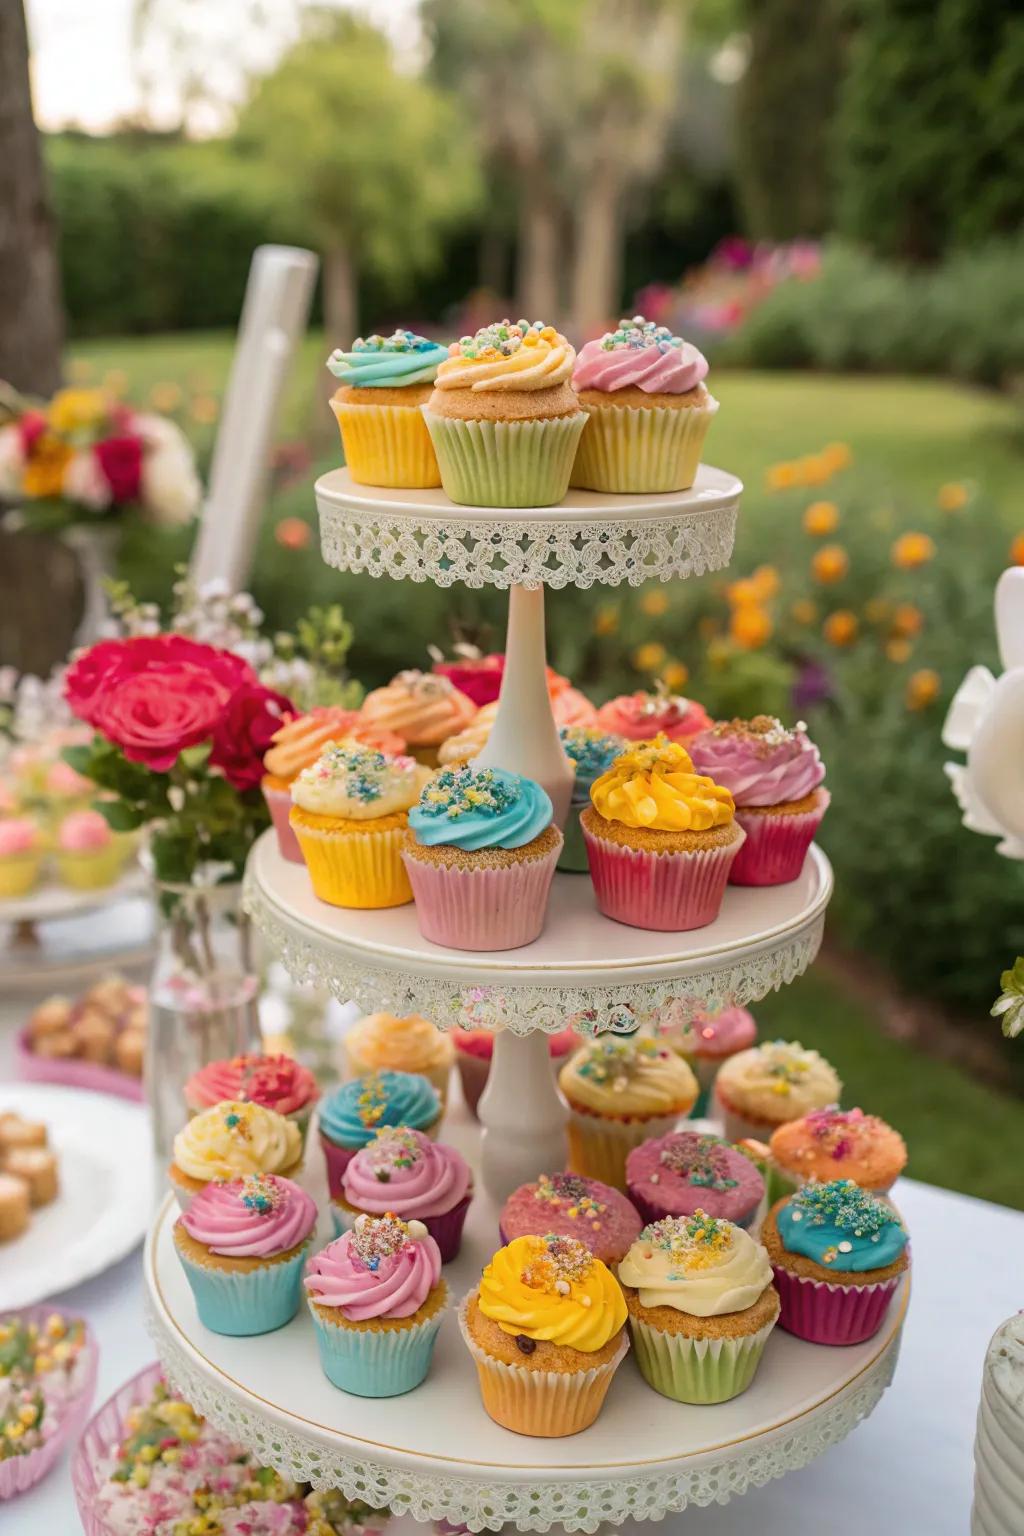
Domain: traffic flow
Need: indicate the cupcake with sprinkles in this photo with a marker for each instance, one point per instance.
(701, 1306)
(591, 753)
(838, 1143)
(242, 1246)
(599, 1217)
(685, 1171)
(405, 1172)
(706, 1039)
(759, 1089)
(838, 1254)
(349, 813)
(229, 1141)
(382, 384)
(277, 1082)
(649, 407)
(377, 1300)
(504, 418)
(546, 1330)
(351, 1116)
(480, 855)
(643, 715)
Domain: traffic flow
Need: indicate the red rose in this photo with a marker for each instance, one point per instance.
(154, 715)
(120, 459)
(31, 427)
(104, 665)
(244, 733)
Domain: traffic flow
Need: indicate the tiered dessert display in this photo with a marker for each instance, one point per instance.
(433, 1452)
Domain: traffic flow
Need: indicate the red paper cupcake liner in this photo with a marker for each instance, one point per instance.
(776, 846)
(832, 1314)
(485, 908)
(279, 804)
(668, 892)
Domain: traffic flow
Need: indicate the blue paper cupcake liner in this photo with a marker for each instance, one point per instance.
(243, 1302)
(376, 1362)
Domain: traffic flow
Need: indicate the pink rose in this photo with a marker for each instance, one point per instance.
(154, 715)
(245, 731)
(104, 665)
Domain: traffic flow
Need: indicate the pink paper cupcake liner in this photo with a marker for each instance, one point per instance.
(776, 846)
(33, 1068)
(668, 892)
(104, 1431)
(832, 1314)
(484, 908)
(23, 1472)
(279, 804)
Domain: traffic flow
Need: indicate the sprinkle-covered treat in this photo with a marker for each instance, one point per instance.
(599, 1217)
(771, 1083)
(44, 1369)
(840, 1144)
(383, 382)
(621, 1091)
(401, 1171)
(229, 1141)
(678, 1174)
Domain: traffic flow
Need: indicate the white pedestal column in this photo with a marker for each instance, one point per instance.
(522, 1116)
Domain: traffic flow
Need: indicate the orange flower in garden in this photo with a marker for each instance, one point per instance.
(780, 477)
(766, 582)
(953, 496)
(606, 621)
(743, 593)
(649, 657)
(840, 628)
(293, 533)
(922, 688)
(837, 455)
(654, 603)
(821, 518)
(907, 620)
(804, 611)
(205, 409)
(43, 474)
(1017, 550)
(750, 627)
(898, 651)
(675, 675)
(813, 469)
(911, 550)
(830, 564)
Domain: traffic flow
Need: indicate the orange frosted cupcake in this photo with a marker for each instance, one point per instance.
(422, 708)
(384, 1042)
(837, 1143)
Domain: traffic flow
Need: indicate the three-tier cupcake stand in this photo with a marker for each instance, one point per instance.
(435, 1454)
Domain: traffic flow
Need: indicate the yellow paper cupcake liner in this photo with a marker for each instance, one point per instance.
(91, 871)
(387, 445)
(359, 869)
(598, 1148)
(19, 873)
(642, 449)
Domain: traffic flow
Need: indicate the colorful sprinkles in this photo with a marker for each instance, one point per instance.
(261, 1193)
(373, 1238)
(363, 773)
(398, 341)
(371, 1101)
(502, 339)
(693, 1242)
(786, 1063)
(393, 1147)
(841, 1133)
(844, 1205)
(613, 1062)
(469, 791)
(637, 334)
(591, 751)
(556, 1263)
(699, 1160)
(763, 733)
(571, 1194)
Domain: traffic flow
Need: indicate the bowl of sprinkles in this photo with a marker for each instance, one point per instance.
(48, 1365)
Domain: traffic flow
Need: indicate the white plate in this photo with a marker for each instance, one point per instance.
(106, 1191)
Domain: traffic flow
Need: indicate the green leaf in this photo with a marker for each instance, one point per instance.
(120, 816)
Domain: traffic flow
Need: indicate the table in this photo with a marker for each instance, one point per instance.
(909, 1468)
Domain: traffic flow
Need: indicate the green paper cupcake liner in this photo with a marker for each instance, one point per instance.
(505, 463)
(642, 449)
(697, 1370)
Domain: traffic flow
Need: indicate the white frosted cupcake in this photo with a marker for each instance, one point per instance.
(762, 1088)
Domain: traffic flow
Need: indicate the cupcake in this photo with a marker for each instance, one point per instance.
(467, 744)
(833, 1143)
(649, 410)
(570, 709)
(760, 1089)
(383, 382)
(351, 1116)
(685, 1172)
(277, 1082)
(570, 706)
(229, 1141)
(546, 1330)
(480, 854)
(706, 1040)
(405, 1173)
(243, 1246)
(349, 813)
(504, 418)
(775, 777)
(423, 709)
(377, 1300)
(380, 1041)
(591, 753)
(21, 855)
(296, 745)
(660, 839)
(621, 1091)
(476, 675)
(89, 854)
(701, 1306)
(599, 1217)
(642, 716)
(474, 1049)
(838, 1253)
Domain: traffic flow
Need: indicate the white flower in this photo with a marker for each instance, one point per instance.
(171, 490)
(85, 482)
(12, 462)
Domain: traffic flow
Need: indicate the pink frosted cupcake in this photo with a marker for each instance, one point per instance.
(276, 1082)
(660, 839)
(599, 1217)
(838, 1254)
(685, 1172)
(21, 855)
(475, 1047)
(480, 854)
(642, 716)
(775, 777)
(706, 1040)
(404, 1172)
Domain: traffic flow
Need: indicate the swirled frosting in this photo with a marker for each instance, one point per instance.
(350, 1115)
(508, 355)
(628, 1076)
(18, 835)
(842, 1227)
(423, 708)
(467, 744)
(382, 1268)
(641, 716)
(552, 1288)
(570, 706)
(276, 1082)
(403, 1171)
(697, 1265)
(298, 743)
(358, 783)
(759, 761)
(653, 785)
(778, 1080)
(591, 753)
(84, 832)
(409, 1044)
(255, 1217)
(388, 362)
(236, 1138)
(480, 808)
(640, 355)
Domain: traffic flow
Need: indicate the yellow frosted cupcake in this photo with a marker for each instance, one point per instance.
(621, 1092)
(349, 813)
(382, 1042)
(546, 1330)
(384, 381)
(229, 1141)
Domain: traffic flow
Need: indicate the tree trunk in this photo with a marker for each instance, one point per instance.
(597, 263)
(341, 308)
(539, 252)
(31, 322)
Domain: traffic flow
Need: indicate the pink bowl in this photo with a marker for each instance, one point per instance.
(104, 1430)
(23, 1472)
(33, 1068)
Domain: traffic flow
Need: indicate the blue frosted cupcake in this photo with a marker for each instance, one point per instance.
(591, 753)
(351, 1116)
(383, 382)
(242, 1246)
(377, 1300)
